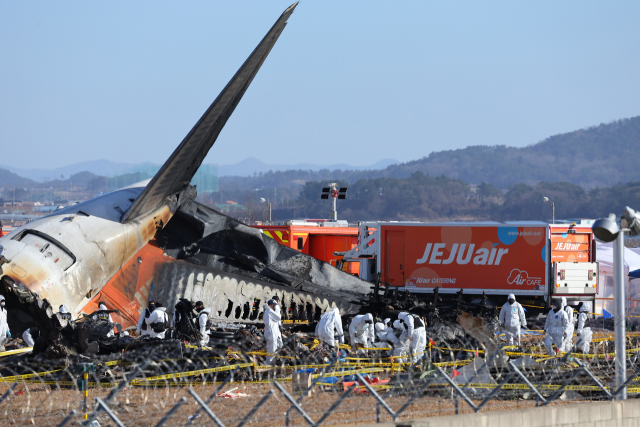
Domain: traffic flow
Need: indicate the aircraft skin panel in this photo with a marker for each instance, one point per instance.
(177, 172)
(151, 275)
(92, 233)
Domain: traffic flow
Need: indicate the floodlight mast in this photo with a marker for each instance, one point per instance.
(334, 196)
(607, 230)
(335, 192)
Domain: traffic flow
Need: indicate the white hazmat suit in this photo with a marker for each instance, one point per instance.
(159, 315)
(568, 341)
(512, 318)
(361, 332)
(4, 326)
(584, 334)
(330, 327)
(28, 336)
(416, 332)
(271, 318)
(203, 317)
(401, 341)
(556, 326)
(384, 337)
(143, 323)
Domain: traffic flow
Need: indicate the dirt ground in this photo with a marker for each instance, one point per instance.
(39, 405)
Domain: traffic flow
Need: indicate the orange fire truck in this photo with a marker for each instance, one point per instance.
(318, 238)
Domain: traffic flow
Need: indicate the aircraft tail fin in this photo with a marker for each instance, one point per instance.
(177, 172)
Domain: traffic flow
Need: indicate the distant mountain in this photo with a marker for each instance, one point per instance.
(97, 167)
(251, 165)
(246, 167)
(10, 179)
(598, 156)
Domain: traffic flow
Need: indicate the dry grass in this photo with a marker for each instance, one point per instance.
(39, 405)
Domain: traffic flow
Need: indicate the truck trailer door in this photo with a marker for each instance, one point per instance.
(395, 258)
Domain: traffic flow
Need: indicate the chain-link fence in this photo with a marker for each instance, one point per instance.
(314, 385)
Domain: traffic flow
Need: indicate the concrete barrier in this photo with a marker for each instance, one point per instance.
(587, 414)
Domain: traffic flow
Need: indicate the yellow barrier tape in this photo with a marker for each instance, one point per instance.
(68, 383)
(16, 351)
(456, 363)
(153, 382)
(25, 376)
(458, 349)
(550, 387)
(344, 373)
(192, 373)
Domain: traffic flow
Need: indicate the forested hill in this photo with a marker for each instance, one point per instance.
(599, 156)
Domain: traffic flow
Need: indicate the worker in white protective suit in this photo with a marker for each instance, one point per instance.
(361, 331)
(384, 330)
(143, 323)
(584, 334)
(417, 334)
(30, 336)
(568, 341)
(202, 322)
(556, 328)
(158, 322)
(271, 318)
(512, 318)
(4, 326)
(329, 328)
(276, 298)
(103, 314)
(401, 341)
(64, 312)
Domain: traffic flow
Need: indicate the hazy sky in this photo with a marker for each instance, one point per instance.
(348, 81)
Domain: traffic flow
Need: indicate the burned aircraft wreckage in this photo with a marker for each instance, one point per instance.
(79, 255)
(154, 241)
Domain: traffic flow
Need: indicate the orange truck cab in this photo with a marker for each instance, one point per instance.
(321, 239)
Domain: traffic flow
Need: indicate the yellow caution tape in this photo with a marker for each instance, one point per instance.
(22, 377)
(344, 373)
(458, 349)
(192, 373)
(16, 351)
(155, 382)
(455, 363)
(549, 387)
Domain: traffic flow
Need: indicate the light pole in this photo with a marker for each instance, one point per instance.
(262, 200)
(335, 192)
(553, 209)
(607, 230)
